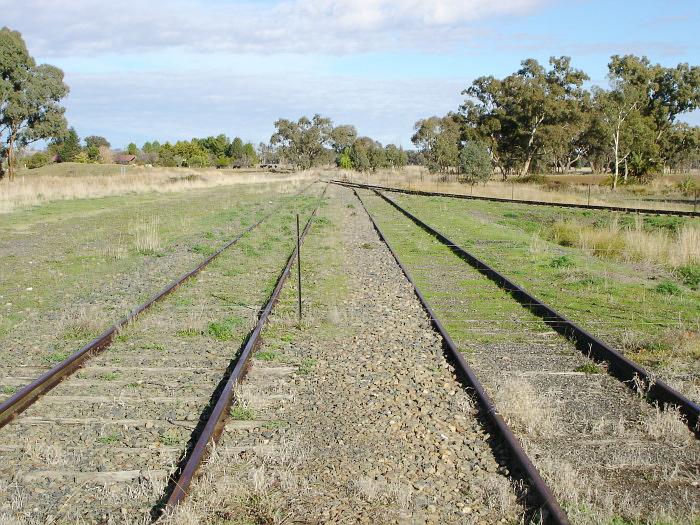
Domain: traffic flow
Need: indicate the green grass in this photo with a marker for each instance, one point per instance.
(153, 346)
(188, 332)
(203, 249)
(225, 330)
(240, 413)
(110, 376)
(589, 368)
(109, 439)
(170, 438)
(7, 389)
(306, 367)
(667, 288)
(563, 261)
(57, 357)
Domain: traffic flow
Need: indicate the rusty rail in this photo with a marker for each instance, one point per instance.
(539, 491)
(215, 422)
(28, 394)
(522, 201)
(624, 369)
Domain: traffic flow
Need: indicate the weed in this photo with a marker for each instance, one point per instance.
(188, 332)
(224, 330)
(306, 367)
(7, 389)
(110, 376)
(202, 249)
(170, 438)
(667, 288)
(241, 413)
(122, 338)
(153, 346)
(351, 206)
(589, 368)
(367, 245)
(274, 425)
(563, 261)
(108, 439)
(510, 215)
(56, 357)
(267, 355)
(690, 275)
(287, 338)
(209, 235)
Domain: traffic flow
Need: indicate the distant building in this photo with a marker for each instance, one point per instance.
(124, 159)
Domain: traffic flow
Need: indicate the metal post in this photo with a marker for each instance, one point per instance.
(589, 194)
(298, 267)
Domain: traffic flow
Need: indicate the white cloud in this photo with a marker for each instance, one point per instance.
(162, 106)
(82, 27)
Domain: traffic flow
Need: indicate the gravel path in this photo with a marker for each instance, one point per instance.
(357, 417)
(605, 452)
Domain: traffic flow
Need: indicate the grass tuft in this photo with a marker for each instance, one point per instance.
(224, 330)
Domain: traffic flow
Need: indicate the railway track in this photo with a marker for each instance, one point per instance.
(624, 209)
(604, 451)
(131, 427)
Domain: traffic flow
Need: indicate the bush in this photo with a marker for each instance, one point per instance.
(37, 160)
(563, 261)
(223, 162)
(667, 288)
(690, 275)
(475, 163)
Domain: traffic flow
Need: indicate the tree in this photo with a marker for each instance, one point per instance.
(105, 155)
(344, 160)
(96, 142)
(396, 157)
(359, 154)
(132, 149)
(475, 163)
(302, 143)
(237, 149)
(439, 138)
(29, 98)
(510, 114)
(66, 148)
(343, 137)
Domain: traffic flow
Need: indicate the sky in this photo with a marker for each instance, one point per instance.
(176, 69)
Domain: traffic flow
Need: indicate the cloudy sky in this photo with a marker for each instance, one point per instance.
(173, 69)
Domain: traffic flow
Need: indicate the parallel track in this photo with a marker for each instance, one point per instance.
(539, 491)
(28, 394)
(624, 209)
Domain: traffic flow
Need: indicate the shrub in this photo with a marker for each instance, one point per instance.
(690, 275)
(563, 261)
(37, 161)
(667, 288)
(475, 163)
(223, 162)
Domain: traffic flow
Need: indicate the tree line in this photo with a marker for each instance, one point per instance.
(543, 119)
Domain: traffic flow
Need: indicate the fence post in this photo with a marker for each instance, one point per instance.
(298, 268)
(589, 194)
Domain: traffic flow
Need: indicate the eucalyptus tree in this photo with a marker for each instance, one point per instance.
(511, 114)
(303, 142)
(439, 139)
(29, 99)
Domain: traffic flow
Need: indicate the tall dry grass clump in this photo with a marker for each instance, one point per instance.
(146, 236)
(673, 249)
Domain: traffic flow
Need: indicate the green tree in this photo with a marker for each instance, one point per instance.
(237, 149)
(132, 149)
(96, 141)
(344, 160)
(396, 157)
(510, 114)
(29, 99)
(359, 154)
(343, 137)
(439, 138)
(303, 143)
(66, 148)
(475, 163)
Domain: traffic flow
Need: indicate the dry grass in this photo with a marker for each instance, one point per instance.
(38, 189)
(667, 423)
(146, 236)
(518, 403)
(633, 244)
(571, 189)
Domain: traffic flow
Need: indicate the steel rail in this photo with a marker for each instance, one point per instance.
(215, 422)
(28, 394)
(521, 201)
(619, 366)
(552, 513)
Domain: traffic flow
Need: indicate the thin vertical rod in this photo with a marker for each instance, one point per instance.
(298, 268)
